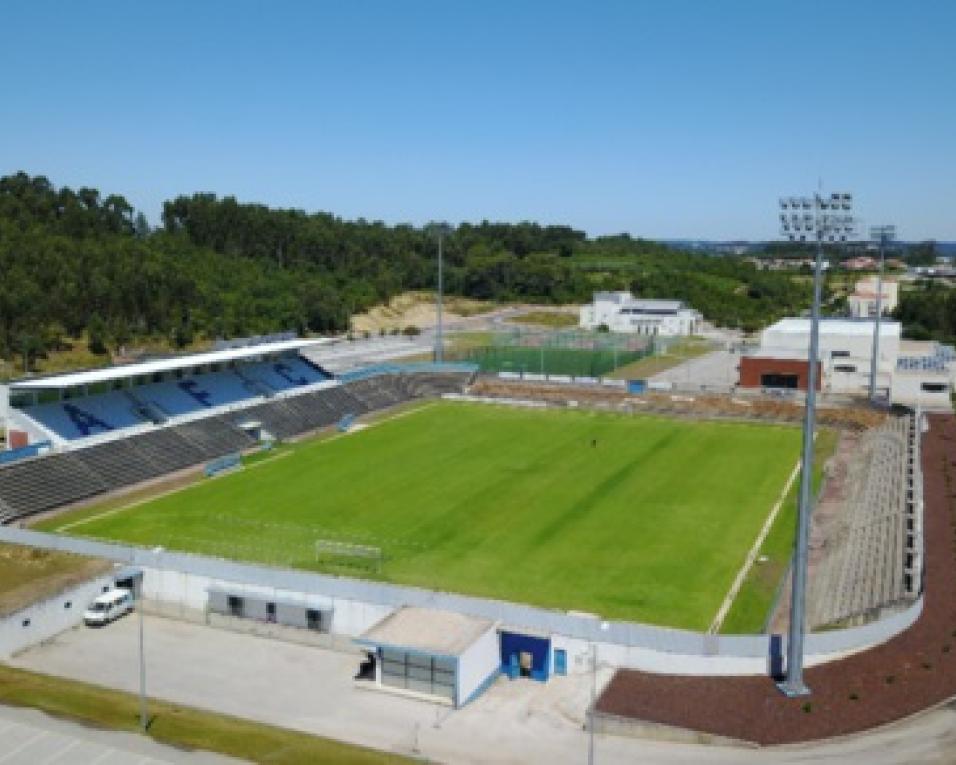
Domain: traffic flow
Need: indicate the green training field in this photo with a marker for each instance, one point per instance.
(641, 518)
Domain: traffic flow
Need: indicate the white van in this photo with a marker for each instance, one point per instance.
(111, 605)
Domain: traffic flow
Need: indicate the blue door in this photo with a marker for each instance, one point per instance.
(525, 655)
(560, 661)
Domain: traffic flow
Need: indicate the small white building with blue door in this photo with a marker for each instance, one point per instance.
(439, 655)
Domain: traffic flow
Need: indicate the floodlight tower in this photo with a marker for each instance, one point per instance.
(884, 235)
(441, 230)
(828, 218)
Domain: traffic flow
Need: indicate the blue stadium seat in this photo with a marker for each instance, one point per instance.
(284, 374)
(84, 417)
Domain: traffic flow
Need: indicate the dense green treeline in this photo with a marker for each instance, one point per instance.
(75, 262)
(928, 312)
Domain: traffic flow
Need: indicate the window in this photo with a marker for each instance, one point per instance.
(235, 605)
(775, 380)
(933, 387)
(844, 368)
(313, 620)
(432, 675)
(68, 605)
(839, 354)
(26, 623)
(270, 612)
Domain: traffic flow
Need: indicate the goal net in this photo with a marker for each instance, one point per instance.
(331, 552)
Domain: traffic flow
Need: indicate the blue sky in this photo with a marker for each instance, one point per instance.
(665, 119)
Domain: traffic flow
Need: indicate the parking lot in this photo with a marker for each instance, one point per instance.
(32, 738)
(311, 689)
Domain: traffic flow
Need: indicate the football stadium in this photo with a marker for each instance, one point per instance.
(456, 524)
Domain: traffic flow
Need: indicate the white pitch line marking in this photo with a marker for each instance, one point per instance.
(754, 552)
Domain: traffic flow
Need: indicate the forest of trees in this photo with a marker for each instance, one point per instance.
(928, 312)
(78, 262)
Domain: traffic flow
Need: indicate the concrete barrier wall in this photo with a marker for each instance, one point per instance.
(47, 618)
(181, 581)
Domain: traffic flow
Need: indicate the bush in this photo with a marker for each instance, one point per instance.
(411, 331)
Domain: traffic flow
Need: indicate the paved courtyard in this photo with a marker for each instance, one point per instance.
(312, 690)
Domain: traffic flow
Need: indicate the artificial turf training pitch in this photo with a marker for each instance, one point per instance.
(630, 517)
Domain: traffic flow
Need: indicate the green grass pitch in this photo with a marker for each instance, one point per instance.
(641, 518)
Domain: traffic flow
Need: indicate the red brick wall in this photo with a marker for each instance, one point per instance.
(17, 439)
(751, 370)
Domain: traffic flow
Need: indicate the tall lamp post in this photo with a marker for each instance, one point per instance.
(828, 219)
(441, 230)
(884, 235)
(143, 703)
(594, 657)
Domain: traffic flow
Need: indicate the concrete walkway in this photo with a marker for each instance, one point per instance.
(311, 689)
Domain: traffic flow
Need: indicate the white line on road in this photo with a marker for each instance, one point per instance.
(23, 745)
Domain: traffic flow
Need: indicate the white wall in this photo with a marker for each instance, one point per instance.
(477, 663)
(4, 403)
(182, 591)
(16, 420)
(907, 390)
(358, 604)
(860, 346)
(48, 617)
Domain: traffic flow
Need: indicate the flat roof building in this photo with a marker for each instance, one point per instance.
(908, 372)
(622, 312)
(443, 655)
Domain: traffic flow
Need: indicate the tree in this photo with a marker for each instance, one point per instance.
(141, 226)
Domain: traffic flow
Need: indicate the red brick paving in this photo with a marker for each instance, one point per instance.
(910, 672)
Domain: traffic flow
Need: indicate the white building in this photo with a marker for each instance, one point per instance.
(925, 382)
(864, 298)
(846, 348)
(440, 655)
(622, 312)
(908, 372)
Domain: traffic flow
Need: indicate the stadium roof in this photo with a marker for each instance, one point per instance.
(427, 630)
(123, 371)
(833, 326)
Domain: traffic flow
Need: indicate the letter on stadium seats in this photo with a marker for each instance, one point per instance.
(83, 420)
(283, 370)
(192, 388)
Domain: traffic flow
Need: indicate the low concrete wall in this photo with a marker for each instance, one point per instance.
(182, 582)
(48, 618)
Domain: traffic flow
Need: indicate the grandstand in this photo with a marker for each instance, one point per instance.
(873, 559)
(158, 417)
(62, 410)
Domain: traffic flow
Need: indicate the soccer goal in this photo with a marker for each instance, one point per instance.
(331, 552)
